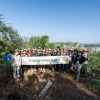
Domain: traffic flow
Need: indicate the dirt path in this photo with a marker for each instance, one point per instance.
(64, 87)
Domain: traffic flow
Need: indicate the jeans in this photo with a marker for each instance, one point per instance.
(16, 71)
(69, 66)
(78, 70)
(57, 67)
(66, 68)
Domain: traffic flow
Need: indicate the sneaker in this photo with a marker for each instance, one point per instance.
(57, 72)
(64, 72)
(32, 69)
(15, 77)
(35, 69)
(43, 69)
(18, 76)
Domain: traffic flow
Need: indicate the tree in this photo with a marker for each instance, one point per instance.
(69, 44)
(9, 38)
(51, 45)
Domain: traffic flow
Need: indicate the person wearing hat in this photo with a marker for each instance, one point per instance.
(53, 53)
(43, 53)
(16, 64)
(42, 69)
(23, 67)
(85, 54)
(74, 57)
(49, 52)
(23, 54)
(58, 65)
(64, 67)
(70, 54)
(79, 60)
(39, 53)
(39, 49)
(28, 52)
(33, 54)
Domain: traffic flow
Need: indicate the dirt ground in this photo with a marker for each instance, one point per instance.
(29, 86)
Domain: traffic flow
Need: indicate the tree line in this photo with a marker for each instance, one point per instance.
(10, 40)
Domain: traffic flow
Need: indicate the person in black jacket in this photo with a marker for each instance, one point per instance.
(79, 61)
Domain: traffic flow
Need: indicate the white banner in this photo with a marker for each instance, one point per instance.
(45, 60)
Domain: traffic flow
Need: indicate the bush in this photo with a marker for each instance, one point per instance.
(93, 66)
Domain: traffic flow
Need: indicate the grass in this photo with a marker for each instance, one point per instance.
(96, 84)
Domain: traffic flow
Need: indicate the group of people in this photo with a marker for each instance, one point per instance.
(78, 58)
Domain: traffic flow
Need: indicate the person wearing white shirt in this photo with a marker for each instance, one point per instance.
(16, 64)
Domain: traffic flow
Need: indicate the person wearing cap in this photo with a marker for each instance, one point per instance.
(16, 64)
(80, 60)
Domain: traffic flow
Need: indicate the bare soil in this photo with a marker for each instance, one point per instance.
(29, 86)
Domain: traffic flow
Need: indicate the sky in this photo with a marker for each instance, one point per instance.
(61, 20)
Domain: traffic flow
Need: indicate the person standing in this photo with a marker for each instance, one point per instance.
(70, 54)
(33, 54)
(58, 65)
(85, 54)
(53, 53)
(43, 66)
(64, 53)
(79, 60)
(23, 67)
(39, 66)
(16, 64)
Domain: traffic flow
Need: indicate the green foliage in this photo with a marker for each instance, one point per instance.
(96, 84)
(94, 62)
(9, 39)
(38, 41)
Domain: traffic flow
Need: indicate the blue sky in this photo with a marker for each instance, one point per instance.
(61, 20)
